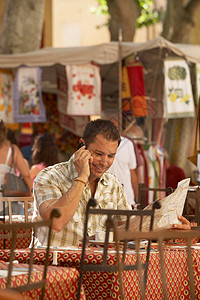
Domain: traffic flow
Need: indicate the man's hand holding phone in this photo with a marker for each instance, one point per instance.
(82, 161)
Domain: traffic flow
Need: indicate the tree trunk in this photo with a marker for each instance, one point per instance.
(22, 26)
(180, 21)
(123, 14)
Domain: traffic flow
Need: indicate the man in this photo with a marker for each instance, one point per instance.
(68, 186)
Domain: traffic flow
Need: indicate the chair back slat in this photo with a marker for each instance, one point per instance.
(14, 229)
(160, 236)
(10, 200)
(143, 192)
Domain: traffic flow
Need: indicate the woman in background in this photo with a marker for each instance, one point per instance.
(45, 153)
(6, 162)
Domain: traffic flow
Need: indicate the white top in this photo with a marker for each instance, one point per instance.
(125, 160)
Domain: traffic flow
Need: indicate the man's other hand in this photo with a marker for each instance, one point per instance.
(185, 224)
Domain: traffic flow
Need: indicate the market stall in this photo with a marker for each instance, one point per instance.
(151, 56)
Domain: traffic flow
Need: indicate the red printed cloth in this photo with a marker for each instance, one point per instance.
(84, 90)
(61, 283)
(138, 99)
(21, 242)
(105, 285)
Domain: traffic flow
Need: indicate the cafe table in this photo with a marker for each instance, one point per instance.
(61, 283)
(105, 285)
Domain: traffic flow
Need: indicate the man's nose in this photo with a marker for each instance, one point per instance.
(104, 161)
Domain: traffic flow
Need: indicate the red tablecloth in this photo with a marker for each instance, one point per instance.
(61, 283)
(21, 242)
(102, 285)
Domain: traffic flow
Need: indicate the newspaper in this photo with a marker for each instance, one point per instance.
(171, 207)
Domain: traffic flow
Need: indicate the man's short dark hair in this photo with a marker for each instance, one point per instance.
(100, 126)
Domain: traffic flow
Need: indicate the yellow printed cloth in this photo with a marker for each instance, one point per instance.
(178, 97)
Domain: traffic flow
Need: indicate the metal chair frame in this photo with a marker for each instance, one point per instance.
(13, 229)
(110, 214)
(196, 216)
(142, 190)
(159, 236)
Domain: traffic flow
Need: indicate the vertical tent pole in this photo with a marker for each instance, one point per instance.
(120, 81)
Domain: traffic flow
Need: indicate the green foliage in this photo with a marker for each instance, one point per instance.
(102, 8)
(149, 14)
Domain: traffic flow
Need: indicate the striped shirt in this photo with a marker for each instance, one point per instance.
(54, 181)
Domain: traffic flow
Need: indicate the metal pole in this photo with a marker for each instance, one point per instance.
(120, 81)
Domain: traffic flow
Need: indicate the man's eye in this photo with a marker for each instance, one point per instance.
(99, 154)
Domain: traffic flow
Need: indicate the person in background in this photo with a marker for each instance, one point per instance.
(125, 164)
(68, 185)
(124, 168)
(6, 161)
(45, 153)
(12, 138)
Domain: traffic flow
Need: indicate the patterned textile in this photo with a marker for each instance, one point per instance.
(21, 242)
(105, 285)
(178, 95)
(61, 283)
(54, 181)
(74, 124)
(84, 90)
(6, 96)
(28, 104)
(126, 92)
(138, 99)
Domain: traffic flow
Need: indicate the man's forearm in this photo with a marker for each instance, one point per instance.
(67, 205)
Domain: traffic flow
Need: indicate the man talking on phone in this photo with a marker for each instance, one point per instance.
(69, 185)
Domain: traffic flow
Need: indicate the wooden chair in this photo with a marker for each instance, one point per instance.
(26, 201)
(159, 236)
(143, 193)
(14, 228)
(24, 234)
(128, 216)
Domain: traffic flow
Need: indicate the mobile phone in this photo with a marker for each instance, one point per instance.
(80, 145)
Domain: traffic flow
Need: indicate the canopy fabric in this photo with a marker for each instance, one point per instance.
(101, 54)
